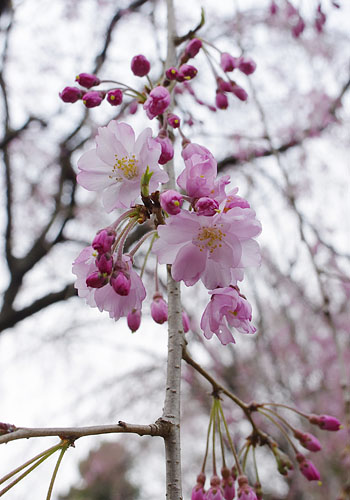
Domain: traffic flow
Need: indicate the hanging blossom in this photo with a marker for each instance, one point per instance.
(118, 162)
(227, 308)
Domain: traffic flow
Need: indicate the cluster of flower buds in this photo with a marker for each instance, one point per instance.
(305, 439)
(223, 488)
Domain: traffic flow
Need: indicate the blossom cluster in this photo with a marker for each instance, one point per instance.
(204, 232)
(203, 229)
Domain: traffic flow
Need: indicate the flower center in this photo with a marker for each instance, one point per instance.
(209, 238)
(126, 167)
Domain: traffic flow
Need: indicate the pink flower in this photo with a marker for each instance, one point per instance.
(227, 308)
(171, 201)
(105, 298)
(209, 248)
(159, 309)
(307, 468)
(325, 422)
(309, 441)
(115, 166)
(198, 178)
(157, 102)
(87, 80)
(245, 492)
(140, 66)
(71, 94)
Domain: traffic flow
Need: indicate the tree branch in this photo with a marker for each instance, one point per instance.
(159, 428)
(11, 317)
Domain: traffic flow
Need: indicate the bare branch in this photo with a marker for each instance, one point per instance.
(11, 317)
(159, 428)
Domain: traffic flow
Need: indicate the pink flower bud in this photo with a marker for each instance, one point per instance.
(325, 422)
(185, 322)
(193, 47)
(104, 263)
(87, 80)
(140, 66)
(167, 149)
(206, 206)
(121, 284)
(96, 280)
(198, 492)
(186, 72)
(239, 92)
(115, 97)
(157, 102)
(215, 492)
(71, 94)
(171, 73)
(223, 85)
(159, 309)
(93, 98)
(103, 241)
(171, 201)
(307, 468)
(246, 65)
(221, 101)
(173, 120)
(227, 484)
(245, 492)
(307, 440)
(228, 62)
(134, 320)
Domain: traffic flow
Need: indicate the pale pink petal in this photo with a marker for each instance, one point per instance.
(189, 264)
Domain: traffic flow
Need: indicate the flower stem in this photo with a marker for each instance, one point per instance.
(22, 476)
(54, 474)
(273, 420)
(238, 465)
(23, 466)
(207, 444)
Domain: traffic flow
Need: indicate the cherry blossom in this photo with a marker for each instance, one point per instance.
(227, 308)
(116, 165)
